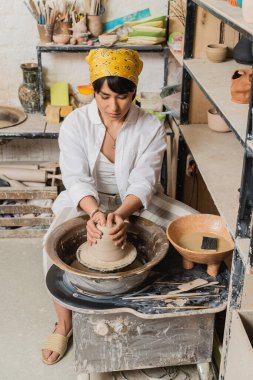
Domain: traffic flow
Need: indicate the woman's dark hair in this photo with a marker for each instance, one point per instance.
(119, 85)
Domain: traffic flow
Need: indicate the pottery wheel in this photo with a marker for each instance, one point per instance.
(85, 257)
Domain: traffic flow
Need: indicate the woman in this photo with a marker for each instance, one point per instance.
(111, 155)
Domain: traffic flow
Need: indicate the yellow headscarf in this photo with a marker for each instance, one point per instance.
(119, 62)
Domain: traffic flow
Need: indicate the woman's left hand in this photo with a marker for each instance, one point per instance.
(118, 231)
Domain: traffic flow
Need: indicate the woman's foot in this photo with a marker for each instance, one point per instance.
(61, 329)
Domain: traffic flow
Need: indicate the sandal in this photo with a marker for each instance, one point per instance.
(57, 343)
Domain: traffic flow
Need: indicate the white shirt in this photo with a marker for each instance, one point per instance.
(140, 146)
(105, 175)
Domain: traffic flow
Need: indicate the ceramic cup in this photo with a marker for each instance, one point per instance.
(45, 33)
(215, 121)
(216, 52)
(95, 25)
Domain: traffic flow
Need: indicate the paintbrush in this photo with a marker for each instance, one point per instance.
(34, 8)
(86, 6)
(30, 11)
(93, 7)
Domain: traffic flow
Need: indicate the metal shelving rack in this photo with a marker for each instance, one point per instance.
(218, 155)
(53, 48)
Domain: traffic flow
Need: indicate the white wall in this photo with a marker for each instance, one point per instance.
(19, 36)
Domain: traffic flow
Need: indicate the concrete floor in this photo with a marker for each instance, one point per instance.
(27, 316)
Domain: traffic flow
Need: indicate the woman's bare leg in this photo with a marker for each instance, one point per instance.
(63, 327)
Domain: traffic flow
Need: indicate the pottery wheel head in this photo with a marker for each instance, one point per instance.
(105, 255)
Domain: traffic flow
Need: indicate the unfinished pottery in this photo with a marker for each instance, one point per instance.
(216, 52)
(148, 238)
(186, 233)
(105, 255)
(61, 38)
(215, 121)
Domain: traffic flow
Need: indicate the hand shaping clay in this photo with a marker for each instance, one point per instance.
(105, 255)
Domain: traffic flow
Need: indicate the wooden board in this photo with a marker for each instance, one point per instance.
(34, 124)
(233, 15)
(23, 209)
(21, 233)
(29, 193)
(25, 222)
(215, 80)
(219, 157)
(240, 347)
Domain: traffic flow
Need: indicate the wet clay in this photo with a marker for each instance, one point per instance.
(105, 255)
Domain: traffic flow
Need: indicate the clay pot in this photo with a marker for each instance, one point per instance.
(45, 33)
(95, 25)
(61, 38)
(62, 27)
(204, 225)
(64, 241)
(216, 52)
(28, 91)
(215, 121)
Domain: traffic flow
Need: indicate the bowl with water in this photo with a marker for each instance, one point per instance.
(188, 235)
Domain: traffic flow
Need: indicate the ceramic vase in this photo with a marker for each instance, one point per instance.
(242, 52)
(247, 11)
(28, 91)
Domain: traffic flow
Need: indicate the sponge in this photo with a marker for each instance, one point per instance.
(59, 94)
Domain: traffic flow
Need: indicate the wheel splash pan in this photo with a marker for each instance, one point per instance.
(148, 238)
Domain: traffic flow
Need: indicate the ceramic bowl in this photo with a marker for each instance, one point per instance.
(203, 225)
(215, 121)
(148, 238)
(85, 93)
(61, 38)
(10, 116)
(216, 52)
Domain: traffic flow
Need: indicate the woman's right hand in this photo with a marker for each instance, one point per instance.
(93, 234)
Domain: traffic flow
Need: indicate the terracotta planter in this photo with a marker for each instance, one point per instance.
(95, 25)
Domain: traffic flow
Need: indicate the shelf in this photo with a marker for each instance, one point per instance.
(215, 80)
(219, 157)
(178, 56)
(228, 14)
(51, 47)
(34, 127)
(243, 246)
